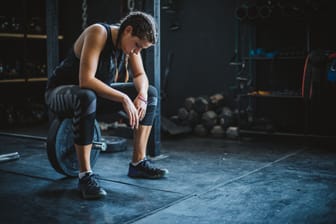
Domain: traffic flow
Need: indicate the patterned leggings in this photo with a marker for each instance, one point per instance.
(71, 101)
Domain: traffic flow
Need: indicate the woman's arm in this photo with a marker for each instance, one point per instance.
(140, 78)
(89, 46)
(141, 83)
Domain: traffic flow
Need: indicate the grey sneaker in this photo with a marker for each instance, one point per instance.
(146, 170)
(89, 187)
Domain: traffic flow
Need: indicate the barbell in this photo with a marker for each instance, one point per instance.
(61, 150)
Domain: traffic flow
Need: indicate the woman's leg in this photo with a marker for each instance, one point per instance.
(140, 167)
(141, 136)
(83, 156)
(79, 104)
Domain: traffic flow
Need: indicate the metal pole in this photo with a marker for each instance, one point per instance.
(52, 34)
(153, 67)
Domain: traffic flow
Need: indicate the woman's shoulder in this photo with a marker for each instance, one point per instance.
(96, 27)
(94, 35)
(95, 31)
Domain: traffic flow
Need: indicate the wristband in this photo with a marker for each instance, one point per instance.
(142, 99)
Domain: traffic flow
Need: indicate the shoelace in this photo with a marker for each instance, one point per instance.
(147, 164)
(92, 180)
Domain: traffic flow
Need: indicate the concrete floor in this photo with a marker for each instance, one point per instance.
(250, 180)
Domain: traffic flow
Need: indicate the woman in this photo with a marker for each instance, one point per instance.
(99, 57)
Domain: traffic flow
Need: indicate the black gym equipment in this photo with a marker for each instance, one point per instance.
(60, 146)
(9, 156)
(114, 144)
(61, 150)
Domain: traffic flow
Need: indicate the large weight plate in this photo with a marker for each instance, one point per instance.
(61, 150)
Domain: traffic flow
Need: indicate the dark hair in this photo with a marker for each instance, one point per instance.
(143, 24)
(144, 27)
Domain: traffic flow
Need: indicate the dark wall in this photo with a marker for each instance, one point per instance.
(71, 17)
(70, 22)
(200, 37)
(201, 49)
(323, 36)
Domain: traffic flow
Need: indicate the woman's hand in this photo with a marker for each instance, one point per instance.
(140, 103)
(132, 112)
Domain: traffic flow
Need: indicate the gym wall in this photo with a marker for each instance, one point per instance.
(198, 35)
(197, 42)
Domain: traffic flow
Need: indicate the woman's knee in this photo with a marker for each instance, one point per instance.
(152, 91)
(87, 100)
(151, 106)
(152, 96)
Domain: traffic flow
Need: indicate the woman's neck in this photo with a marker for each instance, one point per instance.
(115, 31)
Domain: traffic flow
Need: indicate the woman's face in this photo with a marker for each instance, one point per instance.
(132, 44)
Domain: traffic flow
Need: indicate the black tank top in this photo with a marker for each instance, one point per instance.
(67, 72)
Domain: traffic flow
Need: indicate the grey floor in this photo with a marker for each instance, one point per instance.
(251, 180)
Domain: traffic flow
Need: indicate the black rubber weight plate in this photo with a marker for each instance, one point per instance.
(115, 143)
(61, 150)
